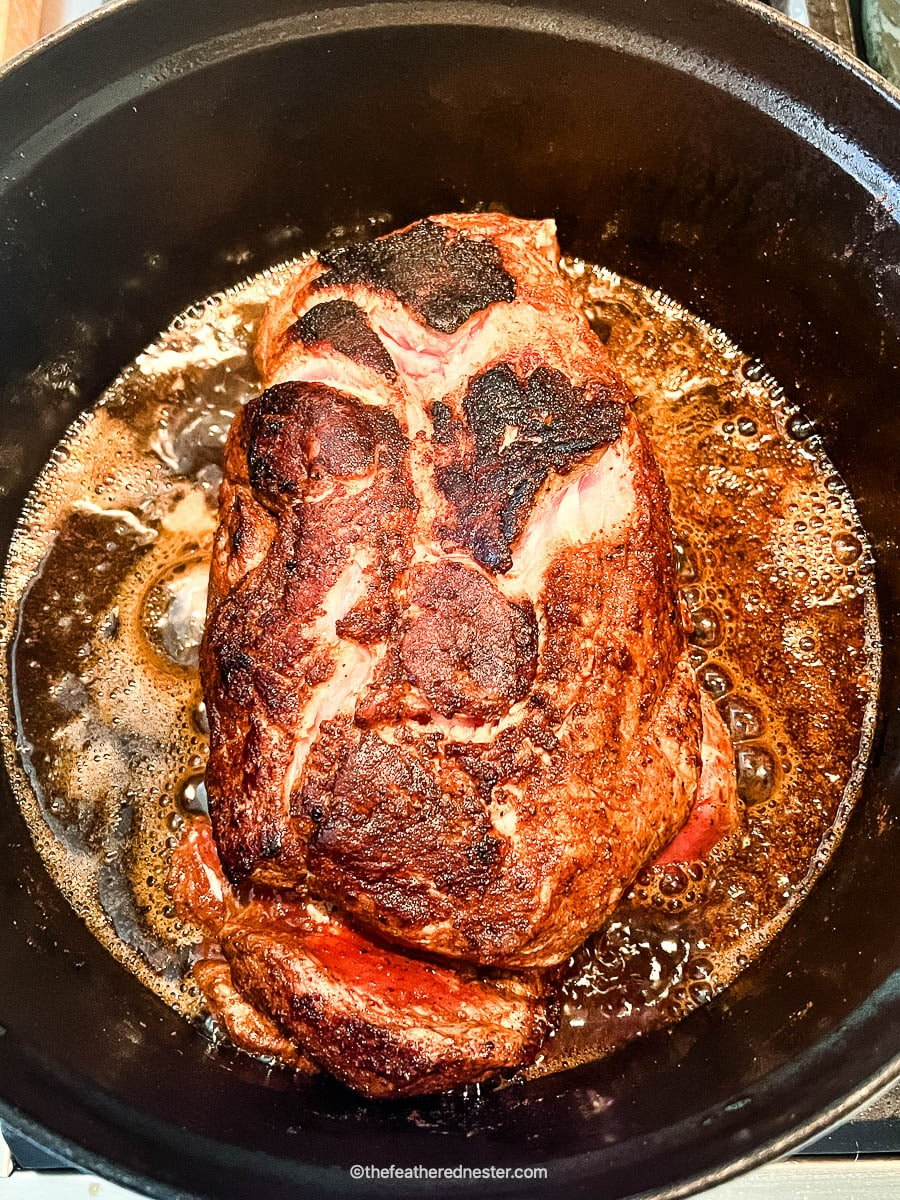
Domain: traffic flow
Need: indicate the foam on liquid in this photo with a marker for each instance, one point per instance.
(102, 611)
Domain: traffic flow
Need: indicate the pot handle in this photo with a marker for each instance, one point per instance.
(20, 25)
(831, 18)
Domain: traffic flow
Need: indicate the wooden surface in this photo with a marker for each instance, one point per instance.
(20, 25)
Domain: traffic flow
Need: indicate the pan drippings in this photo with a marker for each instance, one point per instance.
(103, 604)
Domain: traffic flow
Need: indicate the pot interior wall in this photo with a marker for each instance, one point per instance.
(187, 165)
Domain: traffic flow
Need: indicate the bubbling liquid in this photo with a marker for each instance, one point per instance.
(103, 604)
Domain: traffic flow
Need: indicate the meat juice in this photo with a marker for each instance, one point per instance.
(102, 613)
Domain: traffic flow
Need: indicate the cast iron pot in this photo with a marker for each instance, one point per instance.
(162, 151)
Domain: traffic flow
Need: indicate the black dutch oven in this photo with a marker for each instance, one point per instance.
(160, 151)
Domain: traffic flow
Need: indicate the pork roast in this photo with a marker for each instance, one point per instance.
(445, 663)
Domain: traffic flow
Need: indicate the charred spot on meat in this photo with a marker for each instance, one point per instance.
(514, 433)
(441, 274)
(342, 325)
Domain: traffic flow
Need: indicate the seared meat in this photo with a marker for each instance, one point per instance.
(450, 702)
(248, 1028)
(444, 662)
(385, 1022)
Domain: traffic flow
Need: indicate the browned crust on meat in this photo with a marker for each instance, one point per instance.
(507, 848)
(383, 1022)
(303, 987)
(406, 836)
(463, 644)
(246, 1026)
(268, 579)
